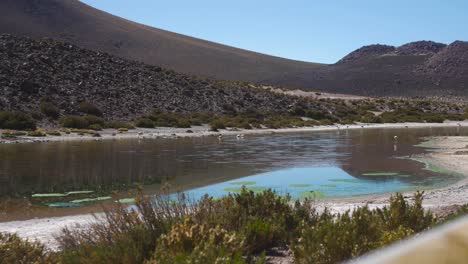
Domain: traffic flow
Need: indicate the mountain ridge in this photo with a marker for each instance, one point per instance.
(421, 68)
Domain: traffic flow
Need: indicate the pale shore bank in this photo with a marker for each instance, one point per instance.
(204, 131)
(449, 153)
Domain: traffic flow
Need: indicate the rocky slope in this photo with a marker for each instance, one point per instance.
(75, 22)
(122, 89)
(422, 68)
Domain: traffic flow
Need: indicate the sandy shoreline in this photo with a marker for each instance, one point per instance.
(204, 131)
(448, 153)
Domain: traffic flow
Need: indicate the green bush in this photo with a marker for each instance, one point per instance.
(145, 123)
(16, 250)
(95, 127)
(237, 228)
(352, 234)
(49, 109)
(189, 242)
(88, 108)
(72, 121)
(118, 124)
(217, 124)
(94, 120)
(36, 133)
(16, 120)
(81, 122)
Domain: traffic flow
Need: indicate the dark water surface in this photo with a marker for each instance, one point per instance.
(338, 163)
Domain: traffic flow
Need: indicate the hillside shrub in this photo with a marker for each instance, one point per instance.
(49, 109)
(89, 108)
(118, 124)
(73, 121)
(145, 123)
(16, 120)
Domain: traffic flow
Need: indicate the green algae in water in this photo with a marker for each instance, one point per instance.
(79, 192)
(329, 185)
(244, 183)
(380, 174)
(239, 189)
(299, 185)
(89, 200)
(63, 204)
(313, 194)
(426, 144)
(431, 166)
(345, 180)
(126, 200)
(46, 195)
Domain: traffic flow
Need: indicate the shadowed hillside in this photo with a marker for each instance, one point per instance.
(78, 23)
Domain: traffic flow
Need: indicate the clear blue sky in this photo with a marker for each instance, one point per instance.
(309, 30)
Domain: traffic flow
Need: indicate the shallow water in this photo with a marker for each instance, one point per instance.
(339, 163)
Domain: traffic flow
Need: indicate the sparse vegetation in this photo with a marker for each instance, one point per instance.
(49, 109)
(82, 122)
(89, 108)
(145, 123)
(238, 228)
(16, 120)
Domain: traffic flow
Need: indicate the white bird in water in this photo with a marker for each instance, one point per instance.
(240, 136)
(395, 138)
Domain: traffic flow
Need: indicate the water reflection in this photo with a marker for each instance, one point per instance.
(195, 162)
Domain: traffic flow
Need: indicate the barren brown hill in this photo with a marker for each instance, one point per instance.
(422, 68)
(75, 22)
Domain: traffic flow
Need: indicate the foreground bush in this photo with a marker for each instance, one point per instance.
(15, 250)
(352, 234)
(238, 228)
(198, 243)
(124, 236)
(16, 120)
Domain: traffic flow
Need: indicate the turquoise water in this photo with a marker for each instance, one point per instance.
(313, 182)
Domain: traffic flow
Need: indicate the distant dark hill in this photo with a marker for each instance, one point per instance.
(422, 68)
(78, 23)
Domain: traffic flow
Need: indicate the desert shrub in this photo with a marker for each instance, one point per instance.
(461, 211)
(53, 132)
(118, 124)
(238, 227)
(124, 236)
(189, 242)
(370, 118)
(401, 213)
(81, 122)
(16, 250)
(95, 127)
(72, 121)
(352, 234)
(36, 133)
(13, 133)
(264, 219)
(94, 120)
(145, 123)
(217, 124)
(88, 108)
(16, 120)
(49, 109)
